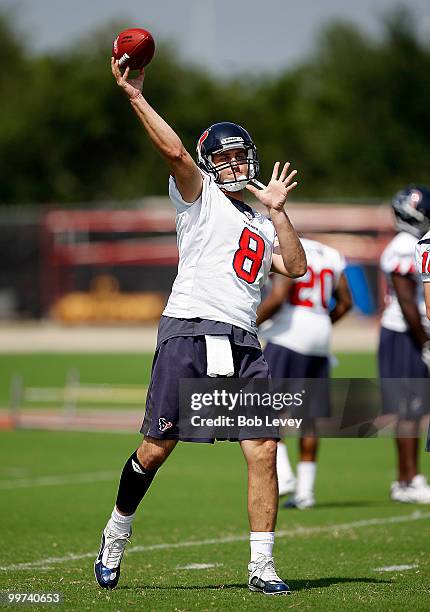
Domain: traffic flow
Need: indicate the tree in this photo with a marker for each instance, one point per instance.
(353, 118)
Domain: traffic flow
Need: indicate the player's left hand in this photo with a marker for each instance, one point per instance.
(276, 193)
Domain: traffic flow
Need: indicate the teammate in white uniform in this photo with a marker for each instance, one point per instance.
(422, 262)
(403, 348)
(225, 254)
(298, 333)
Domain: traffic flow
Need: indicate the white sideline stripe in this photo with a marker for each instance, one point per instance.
(198, 566)
(282, 533)
(394, 568)
(50, 481)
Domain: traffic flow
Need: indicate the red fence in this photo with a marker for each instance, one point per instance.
(140, 245)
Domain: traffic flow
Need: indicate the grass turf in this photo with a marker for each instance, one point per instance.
(51, 370)
(200, 494)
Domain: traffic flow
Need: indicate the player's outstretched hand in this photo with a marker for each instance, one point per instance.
(276, 193)
(132, 87)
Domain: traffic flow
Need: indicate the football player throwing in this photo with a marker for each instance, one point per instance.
(208, 328)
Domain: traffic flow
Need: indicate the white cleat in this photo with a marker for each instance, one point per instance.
(107, 566)
(416, 492)
(262, 577)
(301, 503)
(286, 487)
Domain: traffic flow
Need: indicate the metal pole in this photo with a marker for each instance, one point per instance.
(16, 395)
(70, 394)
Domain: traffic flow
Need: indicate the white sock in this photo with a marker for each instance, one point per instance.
(119, 523)
(261, 543)
(306, 473)
(283, 466)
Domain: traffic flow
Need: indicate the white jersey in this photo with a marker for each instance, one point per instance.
(225, 257)
(422, 257)
(303, 322)
(399, 257)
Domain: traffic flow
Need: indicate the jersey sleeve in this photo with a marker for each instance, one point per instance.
(422, 260)
(339, 265)
(398, 258)
(176, 198)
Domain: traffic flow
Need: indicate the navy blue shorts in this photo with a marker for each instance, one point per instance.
(285, 363)
(400, 357)
(185, 357)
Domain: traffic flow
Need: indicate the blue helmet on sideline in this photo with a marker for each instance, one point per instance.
(412, 210)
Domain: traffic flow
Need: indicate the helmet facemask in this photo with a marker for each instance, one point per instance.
(240, 179)
(417, 227)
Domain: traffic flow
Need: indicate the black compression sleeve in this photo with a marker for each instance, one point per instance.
(134, 483)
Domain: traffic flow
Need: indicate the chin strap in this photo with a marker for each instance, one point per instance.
(233, 187)
(241, 184)
(236, 185)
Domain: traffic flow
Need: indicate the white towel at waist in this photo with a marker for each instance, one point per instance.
(219, 356)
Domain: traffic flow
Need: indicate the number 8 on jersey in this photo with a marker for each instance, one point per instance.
(247, 259)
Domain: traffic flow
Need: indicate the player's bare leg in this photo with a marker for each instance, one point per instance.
(136, 478)
(407, 449)
(260, 456)
(308, 447)
(152, 453)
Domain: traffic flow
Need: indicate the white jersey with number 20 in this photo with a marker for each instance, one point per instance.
(225, 256)
(303, 323)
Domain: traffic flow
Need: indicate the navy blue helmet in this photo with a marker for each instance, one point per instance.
(223, 137)
(412, 210)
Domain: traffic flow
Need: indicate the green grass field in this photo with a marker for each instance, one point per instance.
(50, 370)
(58, 488)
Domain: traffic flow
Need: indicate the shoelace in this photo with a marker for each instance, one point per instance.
(115, 550)
(266, 565)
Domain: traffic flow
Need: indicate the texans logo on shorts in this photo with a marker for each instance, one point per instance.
(163, 425)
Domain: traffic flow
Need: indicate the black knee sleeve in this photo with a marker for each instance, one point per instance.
(134, 483)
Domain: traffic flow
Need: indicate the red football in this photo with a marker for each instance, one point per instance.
(133, 48)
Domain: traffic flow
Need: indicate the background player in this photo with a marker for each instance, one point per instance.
(298, 335)
(422, 262)
(208, 326)
(403, 348)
